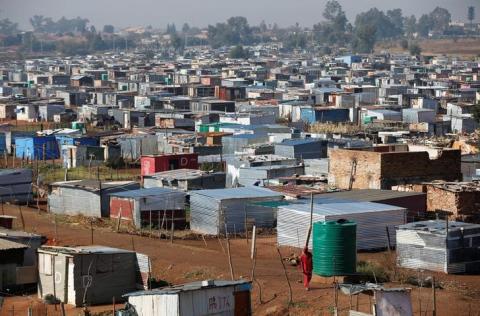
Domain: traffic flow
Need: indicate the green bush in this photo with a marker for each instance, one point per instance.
(373, 272)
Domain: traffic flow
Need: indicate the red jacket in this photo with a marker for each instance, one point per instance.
(306, 262)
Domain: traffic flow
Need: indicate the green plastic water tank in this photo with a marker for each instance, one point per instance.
(334, 248)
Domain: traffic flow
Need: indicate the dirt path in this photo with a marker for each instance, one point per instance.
(188, 260)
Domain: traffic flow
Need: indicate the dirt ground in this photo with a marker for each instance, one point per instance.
(468, 47)
(189, 259)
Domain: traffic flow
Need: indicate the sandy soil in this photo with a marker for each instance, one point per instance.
(187, 260)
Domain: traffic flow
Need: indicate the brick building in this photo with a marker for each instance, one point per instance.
(371, 168)
(460, 200)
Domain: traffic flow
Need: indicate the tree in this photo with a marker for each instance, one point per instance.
(295, 39)
(424, 25)
(333, 29)
(178, 42)
(410, 26)
(471, 15)
(37, 22)
(185, 28)
(384, 24)
(171, 28)
(236, 31)
(238, 52)
(414, 49)
(441, 19)
(108, 28)
(396, 20)
(7, 27)
(62, 26)
(364, 39)
(263, 26)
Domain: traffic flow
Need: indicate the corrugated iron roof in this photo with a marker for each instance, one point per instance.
(146, 192)
(342, 208)
(84, 250)
(91, 184)
(8, 245)
(437, 226)
(237, 193)
(193, 286)
(367, 195)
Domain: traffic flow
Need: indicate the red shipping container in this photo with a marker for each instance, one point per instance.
(153, 164)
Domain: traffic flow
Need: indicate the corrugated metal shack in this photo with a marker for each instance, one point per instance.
(210, 297)
(418, 115)
(239, 143)
(372, 221)
(308, 148)
(158, 205)
(436, 245)
(262, 175)
(32, 241)
(213, 210)
(11, 138)
(151, 164)
(12, 254)
(97, 273)
(85, 197)
(186, 180)
(36, 148)
(75, 156)
(319, 114)
(16, 185)
(134, 146)
(414, 202)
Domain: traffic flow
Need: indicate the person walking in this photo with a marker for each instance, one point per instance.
(307, 267)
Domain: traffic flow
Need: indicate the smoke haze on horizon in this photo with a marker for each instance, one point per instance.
(197, 13)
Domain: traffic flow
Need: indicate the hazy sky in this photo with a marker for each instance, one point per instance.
(158, 13)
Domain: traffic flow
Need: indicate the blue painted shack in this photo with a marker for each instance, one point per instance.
(11, 136)
(324, 115)
(35, 147)
(75, 140)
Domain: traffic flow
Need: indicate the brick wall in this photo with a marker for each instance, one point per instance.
(418, 164)
(461, 205)
(384, 170)
(366, 174)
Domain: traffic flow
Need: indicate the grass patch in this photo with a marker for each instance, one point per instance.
(197, 274)
(372, 272)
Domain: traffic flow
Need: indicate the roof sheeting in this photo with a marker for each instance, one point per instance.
(372, 221)
(193, 286)
(147, 192)
(9, 245)
(237, 193)
(367, 195)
